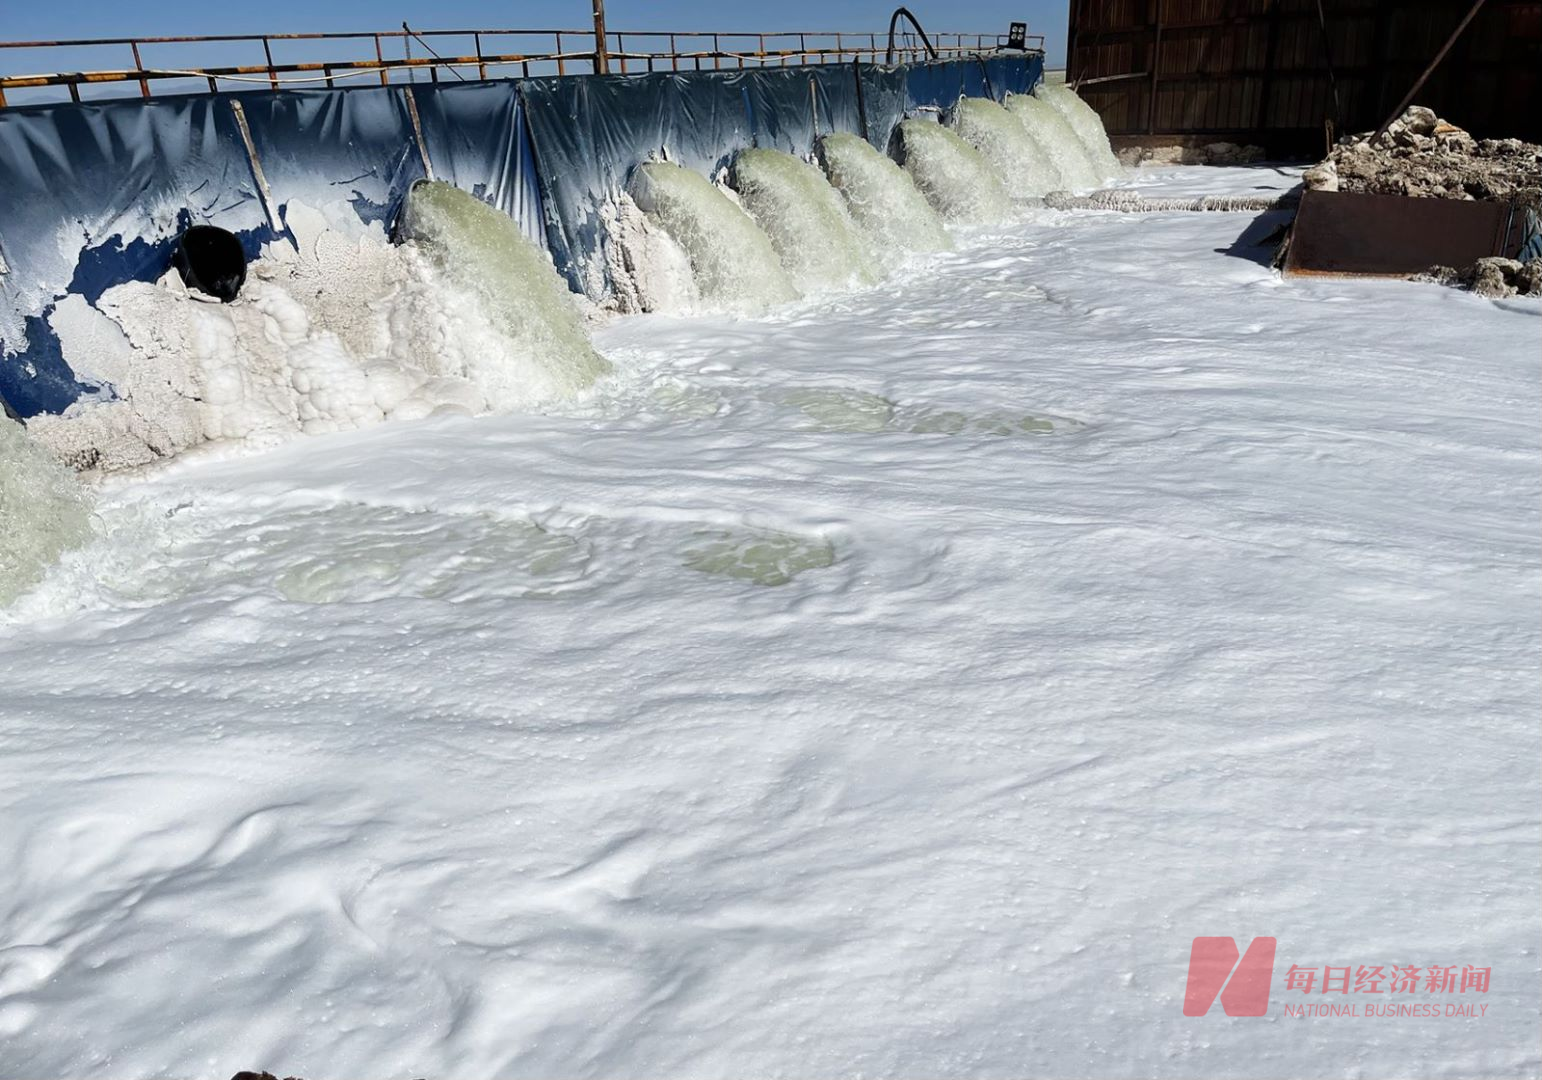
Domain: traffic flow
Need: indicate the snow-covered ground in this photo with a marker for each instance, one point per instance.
(894, 686)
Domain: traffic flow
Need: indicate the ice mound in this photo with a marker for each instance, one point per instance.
(43, 511)
(1025, 167)
(881, 197)
(733, 262)
(806, 219)
(958, 182)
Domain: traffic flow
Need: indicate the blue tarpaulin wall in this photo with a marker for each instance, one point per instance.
(95, 194)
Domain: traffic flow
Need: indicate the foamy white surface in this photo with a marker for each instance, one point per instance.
(1129, 594)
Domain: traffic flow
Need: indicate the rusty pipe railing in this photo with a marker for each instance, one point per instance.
(678, 48)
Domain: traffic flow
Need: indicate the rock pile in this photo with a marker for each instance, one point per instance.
(1216, 153)
(1422, 155)
(1494, 277)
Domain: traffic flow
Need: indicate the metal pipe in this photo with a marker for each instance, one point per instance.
(1441, 55)
(144, 84)
(433, 72)
(601, 57)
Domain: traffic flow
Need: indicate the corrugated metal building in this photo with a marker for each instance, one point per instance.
(1276, 72)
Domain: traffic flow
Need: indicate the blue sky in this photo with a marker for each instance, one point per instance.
(21, 20)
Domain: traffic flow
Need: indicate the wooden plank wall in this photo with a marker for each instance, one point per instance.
(1256, 70)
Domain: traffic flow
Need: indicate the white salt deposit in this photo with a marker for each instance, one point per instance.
(648, 270)
(347, 331)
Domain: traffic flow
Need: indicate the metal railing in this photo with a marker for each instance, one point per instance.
(560, 52)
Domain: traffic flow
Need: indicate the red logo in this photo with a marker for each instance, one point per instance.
(1213, 960)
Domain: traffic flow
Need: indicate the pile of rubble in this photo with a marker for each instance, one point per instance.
(1495, 277)
(1422, 155)
(1215, 153)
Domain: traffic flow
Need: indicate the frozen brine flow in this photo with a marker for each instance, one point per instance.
(1055, 135)
(806, 219)
(882, 198)
(1025, 168)
(1087, 124)
(481, 252)
(959, 183)
(43, 511)
(734, 263)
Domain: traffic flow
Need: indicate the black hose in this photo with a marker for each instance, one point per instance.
(888, 57)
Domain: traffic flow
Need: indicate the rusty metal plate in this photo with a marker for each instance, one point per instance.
(1394, 235)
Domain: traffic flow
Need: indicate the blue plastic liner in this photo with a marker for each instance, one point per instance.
(95, 194)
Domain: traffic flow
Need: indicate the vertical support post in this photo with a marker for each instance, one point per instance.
(74, 91)
(840, 50)
(1156, 64)
(385, 76)
(856, 72)
(264, 193)
(562, 67)
(476, 40)
(267, 52)
(621, 52)
(2, 97)
(1435, 63)
(1071, 66)
(674, 54)
(717, 53)
(802, 50)
(417, 133)
(601, 53)
(139, 65)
